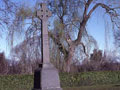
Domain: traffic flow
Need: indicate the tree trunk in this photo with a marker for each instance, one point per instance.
(69, 59)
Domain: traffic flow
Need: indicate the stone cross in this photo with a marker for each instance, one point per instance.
(44, 15)
(49, 74)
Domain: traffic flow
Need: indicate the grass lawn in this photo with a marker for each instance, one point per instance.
(90, 78)
(16, 82)
(103, 87)
(84, 81)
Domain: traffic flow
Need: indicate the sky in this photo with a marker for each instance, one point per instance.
(95, 27)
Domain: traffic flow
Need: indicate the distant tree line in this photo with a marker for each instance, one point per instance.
(16, 67)
(97, 62)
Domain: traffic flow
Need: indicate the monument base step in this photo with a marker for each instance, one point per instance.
(49, 89)
(50, 78)
(53, 89)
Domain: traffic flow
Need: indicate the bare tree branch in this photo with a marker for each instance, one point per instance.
(57, 42)
(86, 7)
(84, 48)
(107, 8)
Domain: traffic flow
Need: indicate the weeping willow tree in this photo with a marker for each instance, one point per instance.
(70, 21)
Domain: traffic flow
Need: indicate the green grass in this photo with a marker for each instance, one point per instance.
(99, 87)
(16, 82)
(90, 79)
(84, 81)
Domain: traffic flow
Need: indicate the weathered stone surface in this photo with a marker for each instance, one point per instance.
(44, 15)
(50, 78)
(53, 89)
(49, 74)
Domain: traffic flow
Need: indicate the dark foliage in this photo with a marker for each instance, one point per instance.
(99, 62)
(3, 64)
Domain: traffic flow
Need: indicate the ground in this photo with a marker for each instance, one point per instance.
(105, 80)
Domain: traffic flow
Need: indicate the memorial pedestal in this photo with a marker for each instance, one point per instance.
(50, 78)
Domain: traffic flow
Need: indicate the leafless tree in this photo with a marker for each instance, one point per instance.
(88, 8)
(73, 15)
(7, 10)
